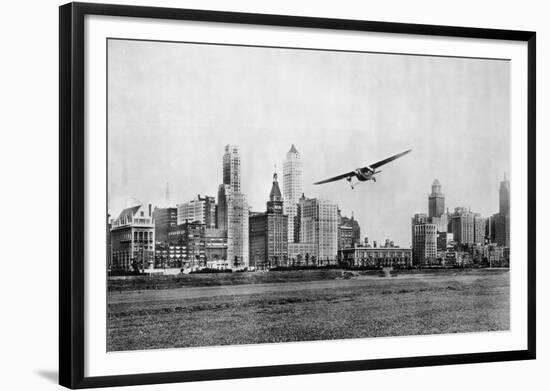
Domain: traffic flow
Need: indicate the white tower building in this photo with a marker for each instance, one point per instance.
(292, 188)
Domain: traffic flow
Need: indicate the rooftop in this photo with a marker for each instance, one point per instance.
(293, 152)
(275, 194)
(128, 212)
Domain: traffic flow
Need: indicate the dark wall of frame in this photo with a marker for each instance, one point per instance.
(71, 193)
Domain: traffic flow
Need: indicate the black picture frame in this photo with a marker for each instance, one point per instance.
(71, 193)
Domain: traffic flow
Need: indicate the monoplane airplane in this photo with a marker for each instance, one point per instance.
(365, 173)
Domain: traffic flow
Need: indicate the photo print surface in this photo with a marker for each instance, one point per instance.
(270, 195)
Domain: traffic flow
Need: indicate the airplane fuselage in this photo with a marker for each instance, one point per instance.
(365, 174)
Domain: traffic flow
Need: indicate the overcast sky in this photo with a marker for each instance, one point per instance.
(174, 106)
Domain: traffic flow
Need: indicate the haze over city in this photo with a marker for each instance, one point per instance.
(169, 121)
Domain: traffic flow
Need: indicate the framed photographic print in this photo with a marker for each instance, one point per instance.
(247, 195)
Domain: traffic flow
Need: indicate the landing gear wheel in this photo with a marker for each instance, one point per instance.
(349, 179)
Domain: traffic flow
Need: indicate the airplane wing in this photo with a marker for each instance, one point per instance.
(385, 161)
(336, 178)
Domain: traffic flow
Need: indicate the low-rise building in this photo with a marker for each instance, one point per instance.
(491, 255)
(189, 239)
(133, 239)
(345, 237)
(355, 228)
(219, 264)
(215, 242)
(169, 256)
(376, 257)
(303, 254)
(109, 247)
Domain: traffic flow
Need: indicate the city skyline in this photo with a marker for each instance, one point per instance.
(462, 138)
(408, 243)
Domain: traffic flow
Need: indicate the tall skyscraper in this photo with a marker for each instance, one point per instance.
(502, 220)
(436, 208)
(436, 201)
(237, 231)
(232, 168)
(502, 230)
(504, 196)
(292, 187)
(490, 228)
(233, 209)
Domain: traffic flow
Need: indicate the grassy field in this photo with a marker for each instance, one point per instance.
(155, 282)
(216, 279)
(448, 302)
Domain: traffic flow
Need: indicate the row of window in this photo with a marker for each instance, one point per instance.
(384, 254)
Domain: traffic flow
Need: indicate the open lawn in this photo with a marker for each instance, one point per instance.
(215, 279)
(307, 308)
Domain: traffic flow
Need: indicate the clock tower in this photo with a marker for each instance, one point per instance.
(269, 232)
(275, 203)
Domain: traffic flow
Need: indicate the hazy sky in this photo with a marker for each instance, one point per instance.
(174, 106)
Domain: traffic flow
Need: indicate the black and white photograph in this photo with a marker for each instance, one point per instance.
(260, 195)
(275, 195)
